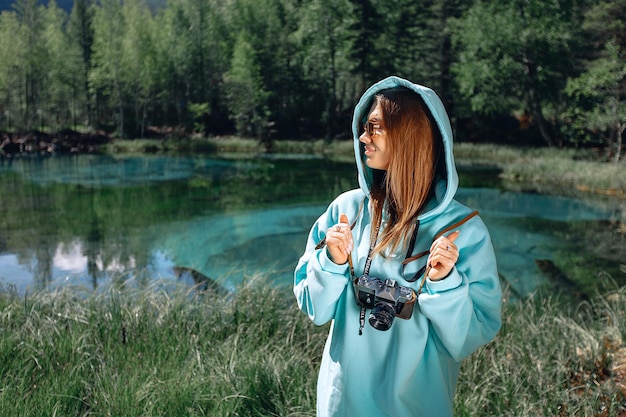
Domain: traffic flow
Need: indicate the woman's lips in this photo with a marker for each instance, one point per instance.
(369, 149)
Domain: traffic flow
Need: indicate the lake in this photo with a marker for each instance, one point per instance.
(87, 220)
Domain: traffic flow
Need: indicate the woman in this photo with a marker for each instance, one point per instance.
(399, 238)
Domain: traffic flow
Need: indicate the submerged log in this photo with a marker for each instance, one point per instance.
(559, 279)
(201, 281)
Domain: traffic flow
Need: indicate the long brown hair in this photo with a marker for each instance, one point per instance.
(415, 145)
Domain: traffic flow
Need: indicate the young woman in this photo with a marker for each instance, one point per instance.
(400, 254)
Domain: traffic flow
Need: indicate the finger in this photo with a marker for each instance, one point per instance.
(452, 236)
(343, 220)
(440, 267)
(445, 242)
(450, 246)
(443, 255)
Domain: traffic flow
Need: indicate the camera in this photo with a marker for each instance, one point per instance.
(386, 298)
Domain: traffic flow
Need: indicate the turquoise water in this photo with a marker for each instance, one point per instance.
(86, 220)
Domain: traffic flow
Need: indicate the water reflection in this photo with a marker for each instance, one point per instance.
(84, 220)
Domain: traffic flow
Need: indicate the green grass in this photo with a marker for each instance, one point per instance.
(580, 170)
(549, 360)
(152, 352)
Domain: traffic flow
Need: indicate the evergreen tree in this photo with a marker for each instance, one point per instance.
(139, 62)
(11, 61)
(367, 47)
(411, 41)
(324, 44)
(64, 70)
(80, 31)
(106, 76)
(247, 100)
(268, 28)
(192, 56)
(30, 60)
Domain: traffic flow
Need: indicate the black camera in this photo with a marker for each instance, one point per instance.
(386, 298)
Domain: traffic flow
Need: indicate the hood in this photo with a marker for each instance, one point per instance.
(446, 188)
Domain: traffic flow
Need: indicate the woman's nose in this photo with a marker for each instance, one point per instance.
(365, 138)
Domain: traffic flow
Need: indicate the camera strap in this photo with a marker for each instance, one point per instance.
(374, 237)
(366, 269)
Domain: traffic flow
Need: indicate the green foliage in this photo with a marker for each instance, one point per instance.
(521, 37)
(293, 68)
(599, 93)
(30, 61)
(10, 47)
(601, 104)
(64, 79)
(106, 76)
(513, 56)
(322, 38)
(198, 112)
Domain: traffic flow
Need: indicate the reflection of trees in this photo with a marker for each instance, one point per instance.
(43, 266)
(110, 223)
(91, 251)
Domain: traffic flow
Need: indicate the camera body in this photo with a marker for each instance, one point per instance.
(386, 298)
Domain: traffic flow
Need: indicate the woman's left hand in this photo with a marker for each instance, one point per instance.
(443, 256)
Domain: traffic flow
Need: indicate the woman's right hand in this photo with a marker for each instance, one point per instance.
(339, 241)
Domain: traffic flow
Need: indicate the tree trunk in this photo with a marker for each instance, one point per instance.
(537, 113)
(618, 144)
(534, 102)
(615, 141)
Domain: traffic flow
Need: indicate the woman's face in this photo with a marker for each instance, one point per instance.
(374, 138)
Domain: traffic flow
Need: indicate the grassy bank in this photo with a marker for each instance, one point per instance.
(580, 170)
(153, 353)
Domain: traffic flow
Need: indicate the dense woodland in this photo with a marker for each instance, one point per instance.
(520, 71)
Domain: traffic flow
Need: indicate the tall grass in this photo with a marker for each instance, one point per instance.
(574, 168)
(550, 360)
(152, 352)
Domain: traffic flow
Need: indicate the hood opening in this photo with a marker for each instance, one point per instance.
(445, 181)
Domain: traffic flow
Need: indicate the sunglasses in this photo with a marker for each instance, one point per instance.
(372, 129)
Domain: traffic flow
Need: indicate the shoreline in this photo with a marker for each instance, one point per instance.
(581, 170)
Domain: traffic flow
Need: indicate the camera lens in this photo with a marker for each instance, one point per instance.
(381, 317)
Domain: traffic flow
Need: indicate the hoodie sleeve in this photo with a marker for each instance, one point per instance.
(465, 308)
(318, 281)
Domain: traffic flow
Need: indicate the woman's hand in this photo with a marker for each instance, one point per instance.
(339, 241)
(443, 256)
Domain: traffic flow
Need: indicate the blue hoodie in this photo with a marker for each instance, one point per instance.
(412, 368)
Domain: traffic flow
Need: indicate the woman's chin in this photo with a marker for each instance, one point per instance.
(374, 164)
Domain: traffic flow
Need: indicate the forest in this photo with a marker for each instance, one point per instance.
(529, 72)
